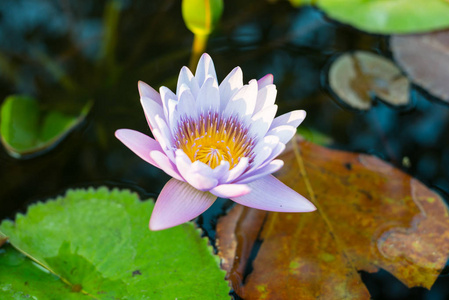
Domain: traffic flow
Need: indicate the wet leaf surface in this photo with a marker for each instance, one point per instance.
(392, 16)
(370, 215)
(357, 77)
(3, 239)
(425, 59)
(26, 130)
(98, 243)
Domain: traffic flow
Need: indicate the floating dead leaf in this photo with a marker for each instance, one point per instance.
(370, 215)
(357, 77)
(425, 59)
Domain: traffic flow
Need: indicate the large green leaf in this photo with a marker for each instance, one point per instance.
(392, 16)
(98, 242)
(21, 278)
(25, 130)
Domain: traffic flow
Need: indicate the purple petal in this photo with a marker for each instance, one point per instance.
(147, 91)
(139, 143)
(230, 190)
(178, 203)
(268, 193)
(165, 164)
(197, 174)
(264, 81)
(255, 174)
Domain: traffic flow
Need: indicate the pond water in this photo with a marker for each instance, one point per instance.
(55, 52)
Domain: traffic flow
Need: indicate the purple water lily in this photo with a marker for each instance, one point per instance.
(215, 141)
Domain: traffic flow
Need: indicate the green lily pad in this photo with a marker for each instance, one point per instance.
(387, 17)
(26, 131)
(16, 270)
(99, 244)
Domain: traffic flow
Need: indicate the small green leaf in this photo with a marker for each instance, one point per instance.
(2, 239)
(314, 136)
(392, 16)
(99, 244)
(26, 130)
(201, 16)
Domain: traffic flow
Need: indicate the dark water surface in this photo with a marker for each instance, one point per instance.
(151, 43)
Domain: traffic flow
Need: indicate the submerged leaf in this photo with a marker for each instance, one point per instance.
(392, 16)
(425, 59)
(356, 77)
(370, 215)
(26, 131)
(98, 243)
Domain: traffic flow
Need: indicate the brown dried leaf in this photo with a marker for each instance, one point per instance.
(370, 215)
(355, 77)
(425, 59)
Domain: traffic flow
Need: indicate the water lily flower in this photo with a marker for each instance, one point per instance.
(215, 140)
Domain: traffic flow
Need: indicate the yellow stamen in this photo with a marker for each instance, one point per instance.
(212, 139)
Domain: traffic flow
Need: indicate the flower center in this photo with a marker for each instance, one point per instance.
(212, 138)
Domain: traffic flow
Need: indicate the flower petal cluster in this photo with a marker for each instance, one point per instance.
(215, 140)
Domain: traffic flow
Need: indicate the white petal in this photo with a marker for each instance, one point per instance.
(261, 121)
(265, 97)
(268, 193)
(166, 95)
(205, 69)
(235, 172)
(151, 109)
(293, 118)
(264, 81)
(186, 105)
(208, 97)
(243, 102)
(178, 203)
(186, 77)
(283, 132)
(229, 86)
(230, 190)
(263, 149)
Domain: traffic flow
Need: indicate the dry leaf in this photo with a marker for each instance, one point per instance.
(370, 215)
(356, 77)
(425, 59)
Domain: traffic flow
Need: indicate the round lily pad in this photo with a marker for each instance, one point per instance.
(98, 243)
